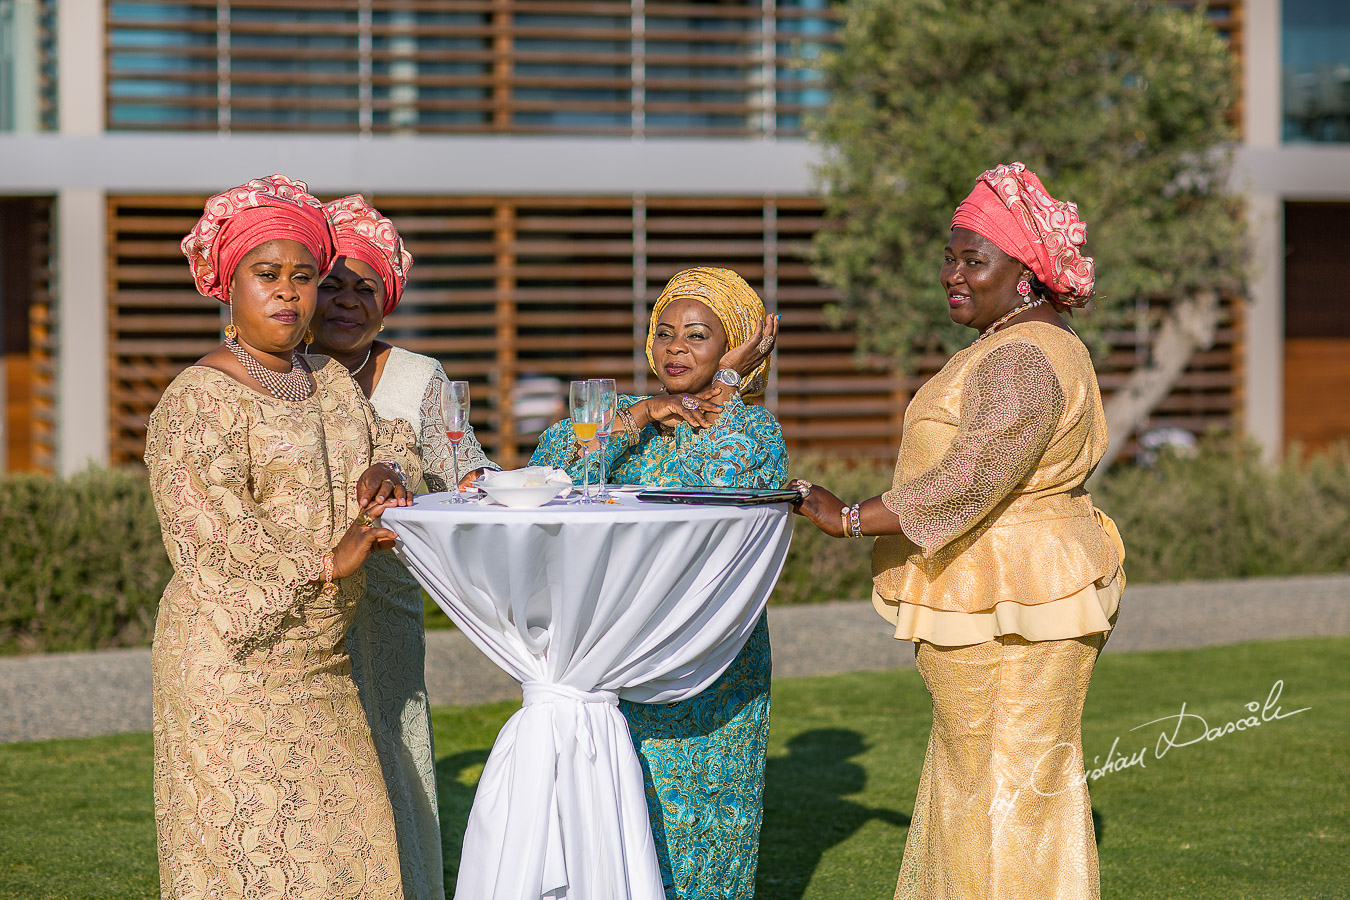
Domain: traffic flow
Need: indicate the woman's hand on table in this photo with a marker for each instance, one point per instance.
(467, 481)
(821, 507)
(672, 409)
(825, 510)
(379, 488)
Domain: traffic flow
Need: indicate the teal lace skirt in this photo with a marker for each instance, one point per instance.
(703, 764)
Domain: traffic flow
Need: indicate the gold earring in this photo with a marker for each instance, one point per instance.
(230, 331)
(381, 326)
(309, 337)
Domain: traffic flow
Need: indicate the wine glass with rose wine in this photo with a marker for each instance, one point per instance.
(455, 418)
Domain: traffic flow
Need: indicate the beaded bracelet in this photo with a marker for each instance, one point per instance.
(330, 588)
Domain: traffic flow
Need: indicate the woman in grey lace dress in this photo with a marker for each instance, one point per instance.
(386, 641)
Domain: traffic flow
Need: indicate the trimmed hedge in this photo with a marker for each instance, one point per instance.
(82, 566)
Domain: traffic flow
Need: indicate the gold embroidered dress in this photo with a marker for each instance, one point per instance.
(266, 779)
(1008, 580)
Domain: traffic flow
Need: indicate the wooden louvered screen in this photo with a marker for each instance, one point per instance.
(391, 66)
(516, 289)
(158, 323)
(29, 370)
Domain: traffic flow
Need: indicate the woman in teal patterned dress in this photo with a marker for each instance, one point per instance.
(702, 758)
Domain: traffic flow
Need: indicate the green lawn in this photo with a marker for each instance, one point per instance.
(1256, 813)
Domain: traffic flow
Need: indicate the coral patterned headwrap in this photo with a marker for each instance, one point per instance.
(237, 220)
(1011, 207)
(735, 303)
(364, 234)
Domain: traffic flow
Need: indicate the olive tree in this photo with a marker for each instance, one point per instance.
(1120, 105)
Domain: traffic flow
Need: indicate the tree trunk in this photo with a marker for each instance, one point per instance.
(1189, 327)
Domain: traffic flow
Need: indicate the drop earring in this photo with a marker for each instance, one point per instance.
(381, 326)
(1024, 288)
(309, 337)
(230, 331)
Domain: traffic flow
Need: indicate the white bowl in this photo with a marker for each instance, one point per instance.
(522, 497)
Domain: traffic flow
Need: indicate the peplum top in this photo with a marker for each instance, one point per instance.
(1000, 534)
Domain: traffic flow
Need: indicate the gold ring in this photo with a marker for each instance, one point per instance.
(689, 402)
(804, 488)
(364, 520)
(765, 345)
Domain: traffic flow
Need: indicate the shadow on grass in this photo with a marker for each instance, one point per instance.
(807, 810)
(455, 799)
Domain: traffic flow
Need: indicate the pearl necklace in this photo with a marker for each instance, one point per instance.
(292, 385)
(357, 370)
(1021, 309)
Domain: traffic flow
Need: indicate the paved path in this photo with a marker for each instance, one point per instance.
(85, 694)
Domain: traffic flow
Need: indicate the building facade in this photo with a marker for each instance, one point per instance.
(551, 163)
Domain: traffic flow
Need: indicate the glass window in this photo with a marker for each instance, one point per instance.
(1316, 70)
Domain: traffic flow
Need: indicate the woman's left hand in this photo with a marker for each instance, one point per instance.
(746, 357)
(467, 481)
(380, 488)
(821, 507)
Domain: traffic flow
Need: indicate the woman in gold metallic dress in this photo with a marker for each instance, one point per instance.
(991, 558)
(265, 471)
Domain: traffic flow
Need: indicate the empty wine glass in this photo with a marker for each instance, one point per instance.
(585, 423)
(608, 401)
(455, 419)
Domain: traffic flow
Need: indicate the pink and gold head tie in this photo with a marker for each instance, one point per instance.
(364, 234)
(735, 303)
(1011, 208)
(242, 218)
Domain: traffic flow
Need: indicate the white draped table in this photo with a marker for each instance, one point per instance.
(582, 605)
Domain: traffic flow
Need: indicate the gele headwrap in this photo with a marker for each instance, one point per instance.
(736, 304)
(237, 220)
(1011, 207)
(364, 234)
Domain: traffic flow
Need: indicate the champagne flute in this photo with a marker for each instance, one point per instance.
(585, 423)
(455, 419)
(608, 400)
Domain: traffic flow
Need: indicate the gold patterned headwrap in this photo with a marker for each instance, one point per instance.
(735, 303)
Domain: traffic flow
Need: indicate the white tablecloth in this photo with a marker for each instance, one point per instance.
(583, 604)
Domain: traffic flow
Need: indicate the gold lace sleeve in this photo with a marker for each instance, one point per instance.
(393, 440)
(1010, 406)
(249, 571)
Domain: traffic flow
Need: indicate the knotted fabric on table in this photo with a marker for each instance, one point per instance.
(583, 605)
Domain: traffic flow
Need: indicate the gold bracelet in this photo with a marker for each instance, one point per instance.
(843, 516)
(630, 429)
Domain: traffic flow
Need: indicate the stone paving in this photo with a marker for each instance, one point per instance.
(85, 694)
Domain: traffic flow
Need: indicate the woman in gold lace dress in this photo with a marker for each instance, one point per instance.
(265, 472)
(993, 561)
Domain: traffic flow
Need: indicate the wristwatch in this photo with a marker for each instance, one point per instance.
(729, 377)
